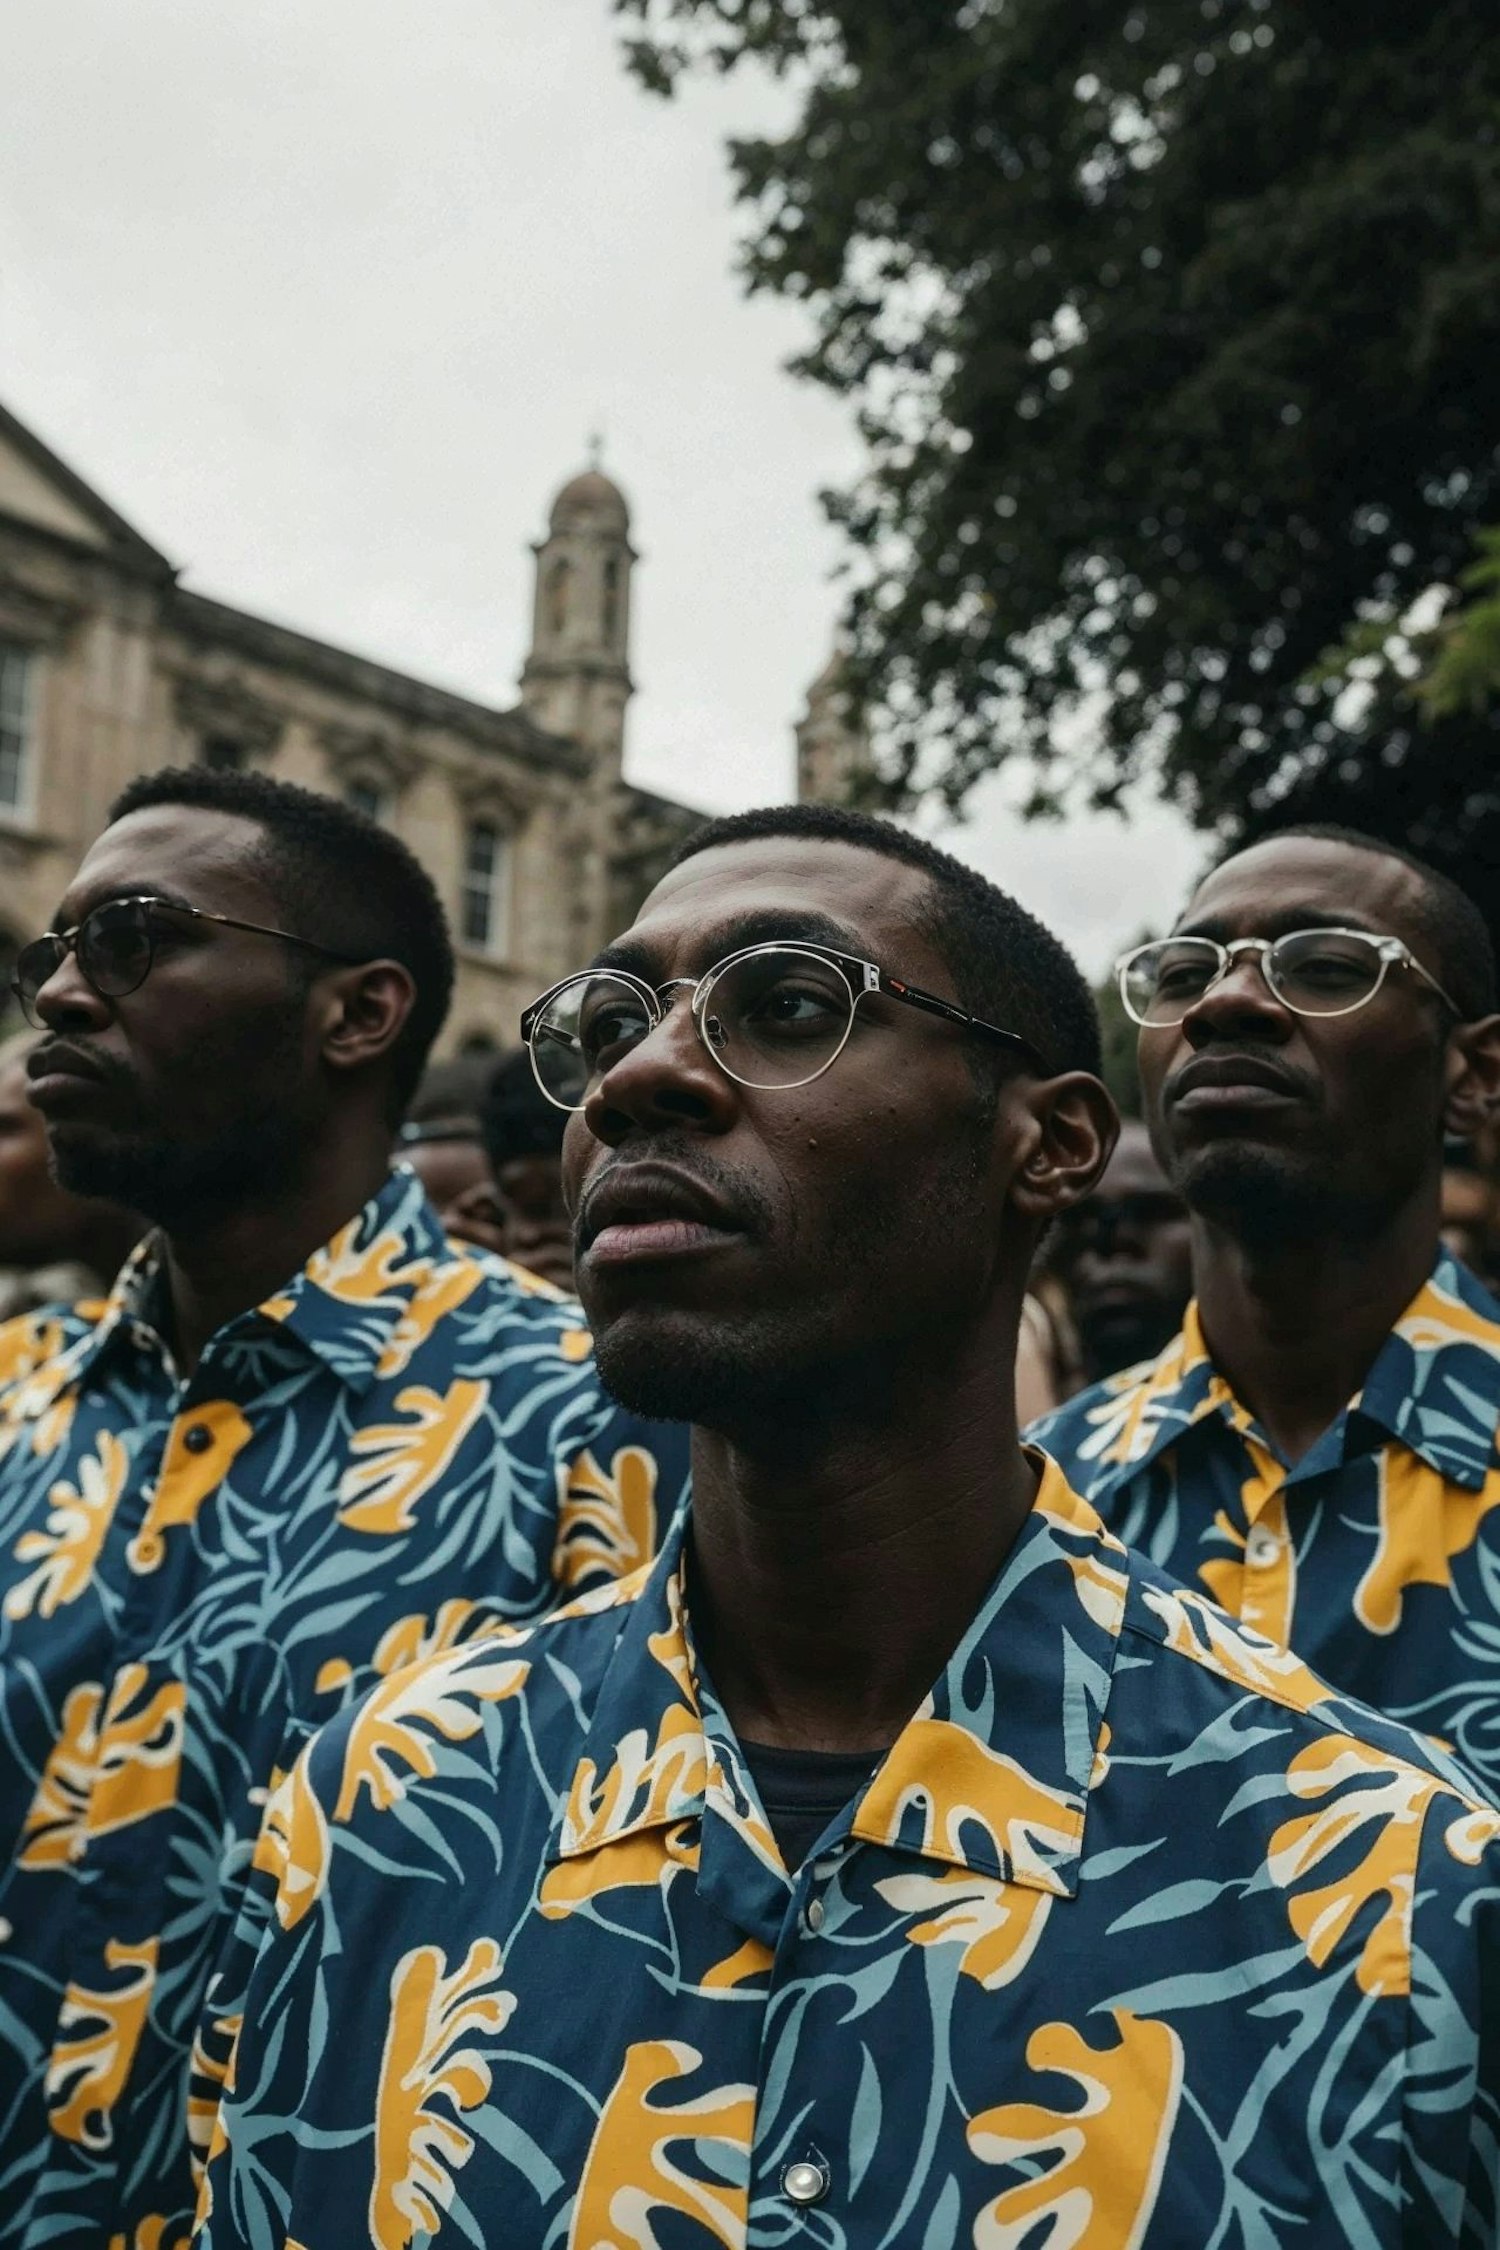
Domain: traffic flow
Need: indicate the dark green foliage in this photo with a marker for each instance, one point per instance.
(1174, 332)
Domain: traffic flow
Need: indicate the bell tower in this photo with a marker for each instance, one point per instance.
(833, 748)
(576, 680)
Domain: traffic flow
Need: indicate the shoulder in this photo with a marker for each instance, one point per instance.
(1233, 1665)
(1066, 1432)
(40, 1345)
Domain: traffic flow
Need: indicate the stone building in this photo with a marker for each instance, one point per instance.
(109, 667)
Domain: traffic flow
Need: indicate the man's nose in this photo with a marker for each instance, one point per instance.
(668, 1078)
(68, 1001)
(1239, 1004)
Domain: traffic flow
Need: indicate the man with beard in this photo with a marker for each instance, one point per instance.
(1125, 1258)
(899, 1860)
(305, 1439)
(1317, 1448)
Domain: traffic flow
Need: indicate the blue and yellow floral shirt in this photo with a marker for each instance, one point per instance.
(408, 1441)
(1376, 1556)
(1135, 1940)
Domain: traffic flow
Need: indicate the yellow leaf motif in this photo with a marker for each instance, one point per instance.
(1368, 1791)
(292, 1846)
(441, 1292)
(98, 2033)
(643, 1786)
(1106, 2153)
(997, 1924)
(645, 1861)
(400, 1461)
(631, 2171)
(190, 1471)
(140, 1751)
(606, 1520)
(53, 1832)
(958, 1785)
(1425, 1521)
(418, 2144)
(66, 1551)
(151, 2234)
(363, 1277)
(444, 1694)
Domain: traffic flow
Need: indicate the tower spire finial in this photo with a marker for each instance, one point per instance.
(596, 446)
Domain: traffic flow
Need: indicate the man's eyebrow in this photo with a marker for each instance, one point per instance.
(1280, 923)
(771, 925)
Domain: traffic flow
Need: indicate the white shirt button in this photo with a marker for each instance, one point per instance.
(815, 1914)
(804, 2182)
(1262, 1548)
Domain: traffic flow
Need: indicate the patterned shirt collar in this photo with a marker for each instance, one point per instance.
(1417, 1391)
(991, 1774)
(352, 1305)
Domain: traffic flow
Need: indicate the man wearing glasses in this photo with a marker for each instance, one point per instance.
(1317, 1448)
(307, 1439)
(898, 1862)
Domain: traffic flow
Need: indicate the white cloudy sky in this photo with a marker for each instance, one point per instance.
(326, 296)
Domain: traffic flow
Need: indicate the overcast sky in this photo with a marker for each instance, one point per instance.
(327, 295)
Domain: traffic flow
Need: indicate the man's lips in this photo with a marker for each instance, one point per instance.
(639, 1211)
(1210, 1082)
(59, 1074)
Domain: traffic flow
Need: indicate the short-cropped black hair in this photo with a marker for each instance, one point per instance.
(337, 877)
(1444, 912)
(515, 1116)
(1007, 967)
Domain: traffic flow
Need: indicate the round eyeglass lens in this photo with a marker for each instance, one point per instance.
(778, 1017)
(582, 1032)
(35, 963)
(1324, 972)
(114, 947)
(1161, 982)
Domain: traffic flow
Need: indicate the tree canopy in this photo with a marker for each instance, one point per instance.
(1173, 334)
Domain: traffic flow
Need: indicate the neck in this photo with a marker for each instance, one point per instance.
(1295, 1325)
(835, 1573)
(223, 1263)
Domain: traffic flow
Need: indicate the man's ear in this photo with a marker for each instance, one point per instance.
(364, 1012)
(1473, 1077)
(1075, 1125)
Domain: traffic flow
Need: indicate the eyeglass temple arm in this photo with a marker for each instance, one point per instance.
(917, 998)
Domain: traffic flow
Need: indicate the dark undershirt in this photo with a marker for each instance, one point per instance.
(803, 1790)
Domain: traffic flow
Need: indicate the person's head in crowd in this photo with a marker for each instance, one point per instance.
(440, 1136)
(523, 1137)
(242, 984)
(1125, 1256)
(1299, 1089)
(809, 1200)
(1468, 1212)
(42, 1224)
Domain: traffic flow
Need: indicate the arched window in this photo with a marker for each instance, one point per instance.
(365, 796)
(611, 611)
(485, 907)
(559, 577)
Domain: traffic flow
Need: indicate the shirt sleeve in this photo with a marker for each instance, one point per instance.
(264, 2029)
(1451, 2171)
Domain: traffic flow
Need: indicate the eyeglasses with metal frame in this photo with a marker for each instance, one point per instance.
(773, 1016)
(115, 948)
(1317, 972)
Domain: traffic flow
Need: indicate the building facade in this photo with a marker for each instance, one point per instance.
(110, 667)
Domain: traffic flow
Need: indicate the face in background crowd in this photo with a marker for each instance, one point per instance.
(244, 1069)
(523, 1137)
(762, 1263)
(1125, 1257)
(41, 1223)
(1279, 1127)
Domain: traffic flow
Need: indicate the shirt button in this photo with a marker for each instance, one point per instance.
(805, 2182)
(197, 1437)
(1262, 1548)
(816, 1914)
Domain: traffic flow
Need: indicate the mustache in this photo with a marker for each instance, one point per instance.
(751, 1208)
